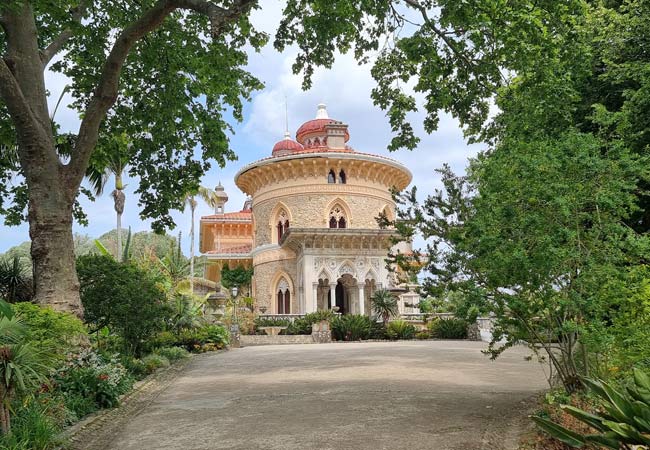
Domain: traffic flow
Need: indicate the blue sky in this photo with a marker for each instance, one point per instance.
(345, 88)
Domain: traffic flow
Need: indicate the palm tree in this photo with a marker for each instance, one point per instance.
(116, 161)
(384, 304)
(22, 366)
(208, 196)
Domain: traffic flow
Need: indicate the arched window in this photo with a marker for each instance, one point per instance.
(331, 178)
(280, 231)
(337, 217)
(283, 297)
(282, 224)
(342, 177)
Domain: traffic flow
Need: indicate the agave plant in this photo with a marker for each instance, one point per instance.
(623, 423)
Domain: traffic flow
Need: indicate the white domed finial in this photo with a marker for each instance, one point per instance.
(287, 135)
(322, 111)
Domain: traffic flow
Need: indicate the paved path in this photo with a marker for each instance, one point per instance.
(360, 396)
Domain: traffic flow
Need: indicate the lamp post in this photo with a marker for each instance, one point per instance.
(234, 328)
(234, 292)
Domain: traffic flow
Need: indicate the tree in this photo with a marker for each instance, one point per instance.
(384, 304)
(117, 159)
(114, 57)
(123, 298)
(208, 196)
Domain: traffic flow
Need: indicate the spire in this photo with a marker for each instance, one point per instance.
(322, 111)
(220, 199)
(286, 118)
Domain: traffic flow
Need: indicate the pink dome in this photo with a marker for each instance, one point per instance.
(286, 146)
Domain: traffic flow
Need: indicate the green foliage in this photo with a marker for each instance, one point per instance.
(351, 327)
(15, 283)
(136, 368)
(209, 337)
(456, 55)
(174, 264)
(422, 335)
(384, 304)
(50, 329)
(186, 312)
(400, 329)
(448, 329)
(630, 327)
(173, 353)
(154, 362)
(123, 298)
(239, 277)
(33, 427)
(274, 322)
(91, 376)
(624, 421)
(303, 325)
(22, 365)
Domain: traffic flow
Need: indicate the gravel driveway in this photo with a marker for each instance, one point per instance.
(403, 395)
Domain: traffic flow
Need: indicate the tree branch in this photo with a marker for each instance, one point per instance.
(106, 92)
(22, 115)
(57, 44)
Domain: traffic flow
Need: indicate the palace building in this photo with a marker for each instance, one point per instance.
(309, 228)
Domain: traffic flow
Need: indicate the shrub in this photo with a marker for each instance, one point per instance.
(90, 375)
(448, 329)
(33, 428)
(623, 423)
(378, 330)
(400, 329)
(135, 366)
(122, 297)
(210, 337)
(15, 282)
(50, 329)
(154, 361)
(264, 322)
(351, 327)
(173, 353)
(422, 335)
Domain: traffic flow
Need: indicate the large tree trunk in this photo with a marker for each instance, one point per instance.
(193, 207)
(50, 228)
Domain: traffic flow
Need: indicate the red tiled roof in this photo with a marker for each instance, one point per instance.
(232, 249)
(240, 215)
(286, 145)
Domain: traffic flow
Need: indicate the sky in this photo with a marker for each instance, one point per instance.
(345, 89)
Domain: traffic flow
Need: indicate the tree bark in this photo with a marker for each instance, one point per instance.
(50, 228)
(192, 207)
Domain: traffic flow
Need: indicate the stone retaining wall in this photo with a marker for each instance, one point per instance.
(275, 340)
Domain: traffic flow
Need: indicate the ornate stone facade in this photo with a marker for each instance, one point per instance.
(312, 223)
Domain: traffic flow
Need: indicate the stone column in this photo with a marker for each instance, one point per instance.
(362, 299)
(314, 300)
(332, 295)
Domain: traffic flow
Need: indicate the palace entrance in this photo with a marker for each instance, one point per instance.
(350, 296)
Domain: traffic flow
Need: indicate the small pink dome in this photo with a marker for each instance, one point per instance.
(286, 146)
